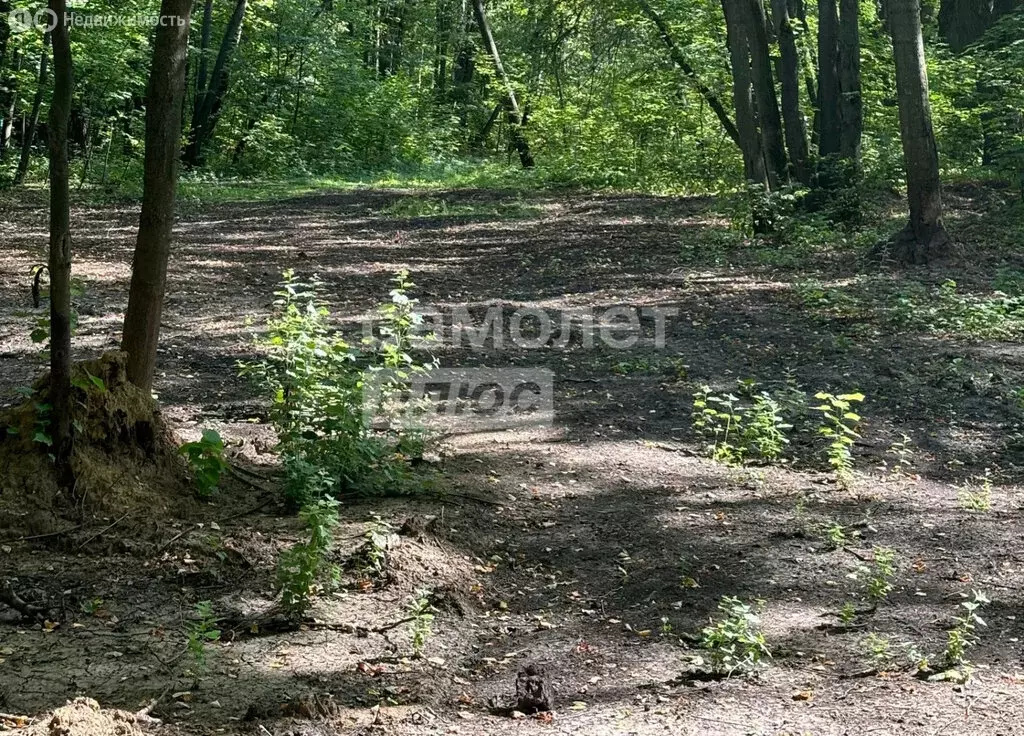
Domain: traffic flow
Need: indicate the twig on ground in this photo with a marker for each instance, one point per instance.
(103, 531)
(237, 475)
(50, 534)
(144, 714)
(230, 517)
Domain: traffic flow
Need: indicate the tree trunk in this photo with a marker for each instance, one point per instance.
(481, 137)
(8, 102)
(743, 94)
(442, 40)
(676, 54)
(463, 71)
(924, 238)
(828, 78)
(962, 22)
(209, 101)
(851, 113)
(29, 134)
(165, 93)
(764, 94)
(5, 31)
(204, 50)
(60, 249)
(796, 129)
(515, 116)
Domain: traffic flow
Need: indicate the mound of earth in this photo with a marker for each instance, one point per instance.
(84, 717)
(124, 455)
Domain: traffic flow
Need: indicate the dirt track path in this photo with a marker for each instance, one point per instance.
(584, 560)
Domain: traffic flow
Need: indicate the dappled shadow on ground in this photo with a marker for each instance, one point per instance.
(608, 535)
(569, 255)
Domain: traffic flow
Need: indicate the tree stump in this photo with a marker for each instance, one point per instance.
(533, 692)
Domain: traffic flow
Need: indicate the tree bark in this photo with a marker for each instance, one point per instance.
(924, 238)
(764, 94)
(60, 249)
(515, 116)
(8, 103)
(743, 93)
(828, 79)
(851, 113)
(209, 101)
(165, 93)
(676, 54)
(962, 22)
(5, 31)
(796, 129)
(28, 138)
(204, 49)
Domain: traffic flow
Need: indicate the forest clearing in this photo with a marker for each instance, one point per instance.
(598, 541)
(532, 366)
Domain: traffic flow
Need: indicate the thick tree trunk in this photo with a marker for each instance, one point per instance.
(924, 239)
(962, 22)
(164, 93)
(764, 95)
(796, 129)
(209, 101)
(29, 135)
(743, 93)
(851, 113)
(829, 124)
(60, 249)
(515, 116)
(676, 54)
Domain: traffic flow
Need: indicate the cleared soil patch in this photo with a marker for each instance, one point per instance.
(605, 537)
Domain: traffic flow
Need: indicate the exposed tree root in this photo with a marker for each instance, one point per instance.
(905, 248)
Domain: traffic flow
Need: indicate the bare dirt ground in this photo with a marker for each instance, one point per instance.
(603, 539)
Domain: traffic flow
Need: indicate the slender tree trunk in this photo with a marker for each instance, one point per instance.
(796, 129)
(764, 94)
(924, 238)
(8, 102)
(60, 249)
(29, 134)
(676, 54)
(204, 50)
(442, 40)
(743, 93)
(851, 113)
(165, 93)
(5, 31)
(481, 137)
(210, 100)
(515, 116)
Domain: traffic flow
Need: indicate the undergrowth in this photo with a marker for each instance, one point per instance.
(324, 394)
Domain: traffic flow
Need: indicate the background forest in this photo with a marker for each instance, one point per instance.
(613, 93)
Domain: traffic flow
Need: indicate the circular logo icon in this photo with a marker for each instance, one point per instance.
(20, 20)
(45, 19)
